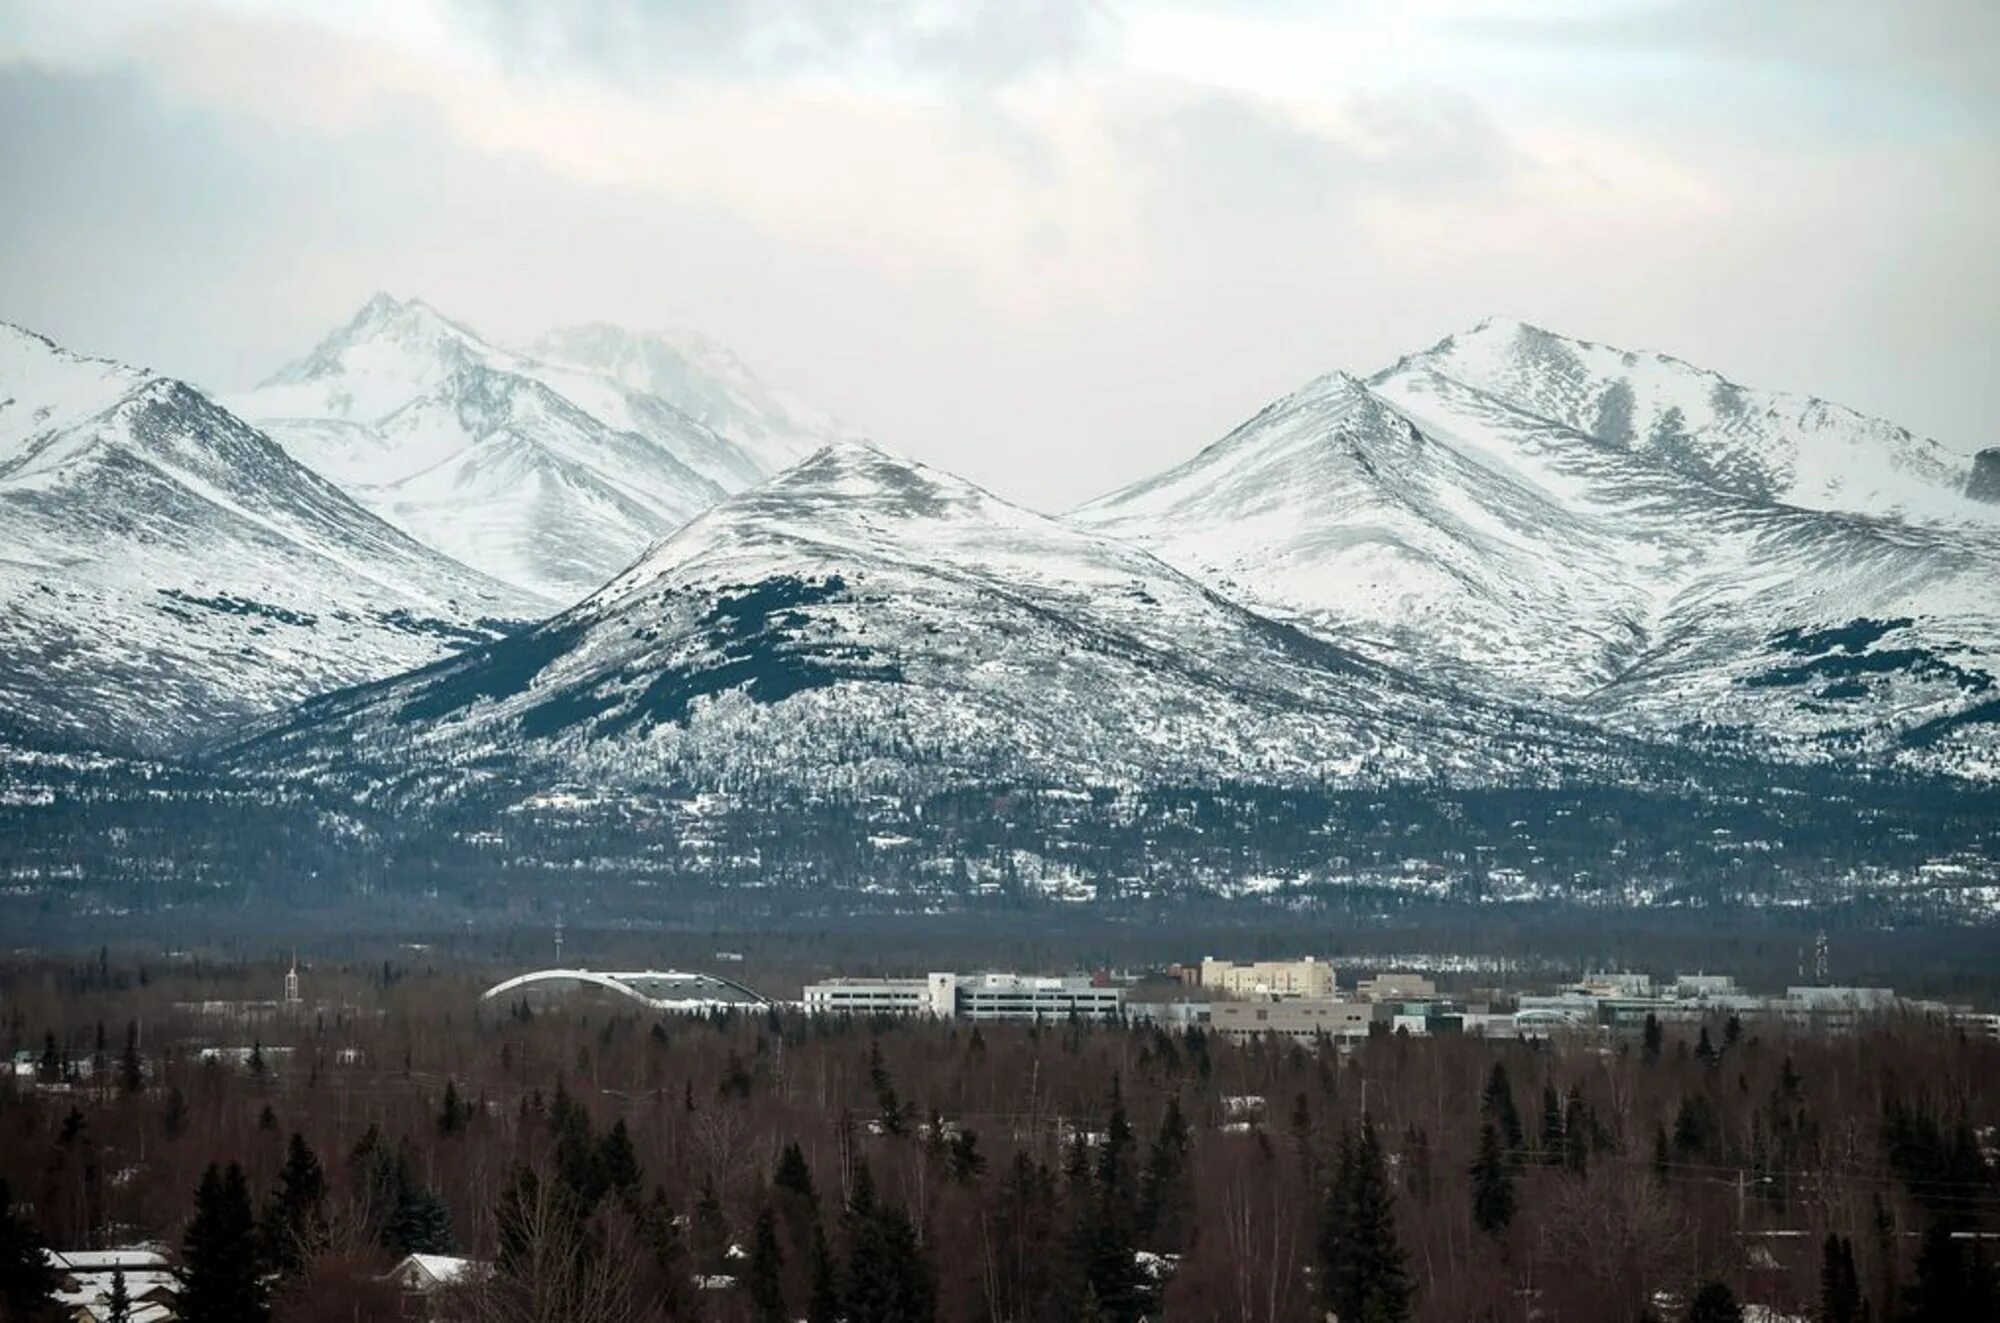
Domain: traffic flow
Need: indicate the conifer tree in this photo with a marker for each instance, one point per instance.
(220, 1281)
(1714, 1303)
(888, 1277)
(1552, 1127)
(1363, 1274)
(1492, 1184)
(711, 1230)
(453, 1112)
(118, 1305)
(294, 1225)
(131, 1074)
(1945, 1286)
(662, 1236)
(1840, 1298)
(618, 1161)
(1578, 1129)
(27, 1281)
(1654, 1037)
(1497, 1105)
(767, 1285)
(823, 1299)
(1166, 1189)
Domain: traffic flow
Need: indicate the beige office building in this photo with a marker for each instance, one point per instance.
(1301, 1019)
(1268, 978)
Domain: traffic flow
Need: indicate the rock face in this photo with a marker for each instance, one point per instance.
(1984, 484)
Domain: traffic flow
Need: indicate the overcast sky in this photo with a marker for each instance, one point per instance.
(1050, 244)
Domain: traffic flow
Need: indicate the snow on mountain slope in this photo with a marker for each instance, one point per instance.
(708, 382)
(1439, 526)
(166, 569)
(1769, 445)
(548, 477)
(862, 621)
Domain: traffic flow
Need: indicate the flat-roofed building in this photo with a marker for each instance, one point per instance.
(1296, 1018)
(1304, 977)
(1396, 987)
(994, 996)
(884, 996)
(1024, 997)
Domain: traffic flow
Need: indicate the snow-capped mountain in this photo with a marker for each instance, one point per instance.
(1767, 445)
(770, 430)
(549, 475)
(863, 621)
(1443, 528)
(166, 569)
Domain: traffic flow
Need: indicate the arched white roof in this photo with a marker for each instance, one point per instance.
(657, 989)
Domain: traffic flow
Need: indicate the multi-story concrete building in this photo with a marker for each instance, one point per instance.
(1306, 977)
(970, 996)
(1023, 997)
(1298, 1018)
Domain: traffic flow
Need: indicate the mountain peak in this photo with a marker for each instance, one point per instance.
(385, 326)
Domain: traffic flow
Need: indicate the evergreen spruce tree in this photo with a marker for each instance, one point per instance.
(618, 1161)
(131, 1074)
(453, 1113)
(1166, 1189)
(173, 1117)
(1578, 1130)
(220, 1281)
(1552, 1127)
(118, 1305)
(767, 1262)
(27, 1281)
(662, 1236)
(823, 1300)
(1654, 1038)
(1497, 1105)
(1104, 1216)
(294, 1225)
(1492, 1184)
(1840, 1298)
(1704, 1050)
(711, 1231)
(1943, 1287)
(1714, 1303)
(1362, 1271)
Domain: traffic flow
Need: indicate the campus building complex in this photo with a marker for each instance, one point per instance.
(967, 996)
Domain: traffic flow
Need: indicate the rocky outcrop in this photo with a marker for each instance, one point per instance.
(1984, 484)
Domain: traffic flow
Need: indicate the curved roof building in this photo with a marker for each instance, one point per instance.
(656, 989)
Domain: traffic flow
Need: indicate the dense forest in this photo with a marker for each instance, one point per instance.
(613, 1165)
(91, 835)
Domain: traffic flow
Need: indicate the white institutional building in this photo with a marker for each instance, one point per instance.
(967, 996)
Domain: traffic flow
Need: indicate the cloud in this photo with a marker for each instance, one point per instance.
(977, 43)
(1050, 248)
(1927, 54)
